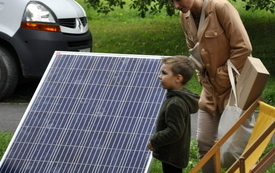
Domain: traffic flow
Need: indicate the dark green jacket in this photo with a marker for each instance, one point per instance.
(173, 128)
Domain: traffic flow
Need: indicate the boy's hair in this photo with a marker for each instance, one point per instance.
(180, 65)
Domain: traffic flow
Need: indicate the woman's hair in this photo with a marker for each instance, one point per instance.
(180, 65)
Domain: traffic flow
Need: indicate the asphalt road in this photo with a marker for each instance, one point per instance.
(11, 114)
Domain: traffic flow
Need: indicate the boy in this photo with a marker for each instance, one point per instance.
(171, 142)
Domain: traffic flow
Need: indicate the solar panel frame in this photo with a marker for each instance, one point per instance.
(60, 101)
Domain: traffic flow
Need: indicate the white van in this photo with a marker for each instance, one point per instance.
(30, 32)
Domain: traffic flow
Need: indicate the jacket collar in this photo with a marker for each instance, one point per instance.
(190, 22)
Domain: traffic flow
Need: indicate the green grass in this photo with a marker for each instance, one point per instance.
(5, 138)
(123, 31)
(193, 160)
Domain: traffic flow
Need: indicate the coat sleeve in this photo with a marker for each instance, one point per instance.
(236, 33)
(175, 126)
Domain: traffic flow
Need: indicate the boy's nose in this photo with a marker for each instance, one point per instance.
(159, 76)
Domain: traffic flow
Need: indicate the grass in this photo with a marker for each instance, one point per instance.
(119, 34)
(5, 138)
(123, 31)
(193, 160)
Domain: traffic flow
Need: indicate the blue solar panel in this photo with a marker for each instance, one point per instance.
(90, 113)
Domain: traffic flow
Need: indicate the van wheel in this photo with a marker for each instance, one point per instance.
(8, 74)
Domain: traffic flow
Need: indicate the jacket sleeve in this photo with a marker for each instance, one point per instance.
(236, 33)
(175, 121)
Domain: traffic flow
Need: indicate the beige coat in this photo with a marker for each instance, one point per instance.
(223, 37)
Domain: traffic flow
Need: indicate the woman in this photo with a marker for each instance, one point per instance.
(215, 33)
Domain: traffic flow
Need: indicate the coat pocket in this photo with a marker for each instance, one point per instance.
(212, 33)
(222, 77)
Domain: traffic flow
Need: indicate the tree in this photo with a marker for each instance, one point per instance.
(155, 6)
(143, 6)
(268, 5)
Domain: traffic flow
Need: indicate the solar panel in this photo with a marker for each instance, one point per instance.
(91, 112)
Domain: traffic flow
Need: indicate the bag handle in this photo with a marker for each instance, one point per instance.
(231, 67)
(202, 17)
(195, 51)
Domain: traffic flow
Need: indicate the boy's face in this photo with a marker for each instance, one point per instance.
(168, 79)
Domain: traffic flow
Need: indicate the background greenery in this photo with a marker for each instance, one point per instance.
(155, 6)
(123, 31)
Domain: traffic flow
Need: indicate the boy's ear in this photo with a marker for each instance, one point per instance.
(180, 78)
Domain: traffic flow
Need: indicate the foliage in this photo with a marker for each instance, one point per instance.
(268, 5)
(156, 6)
(142, 6)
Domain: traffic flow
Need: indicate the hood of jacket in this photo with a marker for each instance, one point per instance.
(191, 99)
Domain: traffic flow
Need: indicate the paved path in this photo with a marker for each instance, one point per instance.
(11, 114)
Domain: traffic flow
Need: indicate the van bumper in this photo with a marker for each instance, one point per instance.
(36, 48)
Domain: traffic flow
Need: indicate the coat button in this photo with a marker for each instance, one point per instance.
(202, 49)
(215, 33)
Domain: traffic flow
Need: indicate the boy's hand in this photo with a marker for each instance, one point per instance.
(150, 147)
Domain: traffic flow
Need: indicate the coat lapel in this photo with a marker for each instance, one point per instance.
(206, 20)
(190, 26)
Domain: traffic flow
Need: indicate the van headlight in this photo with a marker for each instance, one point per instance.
(39, 17)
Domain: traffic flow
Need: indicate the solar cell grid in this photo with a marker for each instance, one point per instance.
(90, 113)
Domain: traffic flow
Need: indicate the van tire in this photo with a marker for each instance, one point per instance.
(8, 74)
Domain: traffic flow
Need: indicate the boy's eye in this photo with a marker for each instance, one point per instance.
(163, 72)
